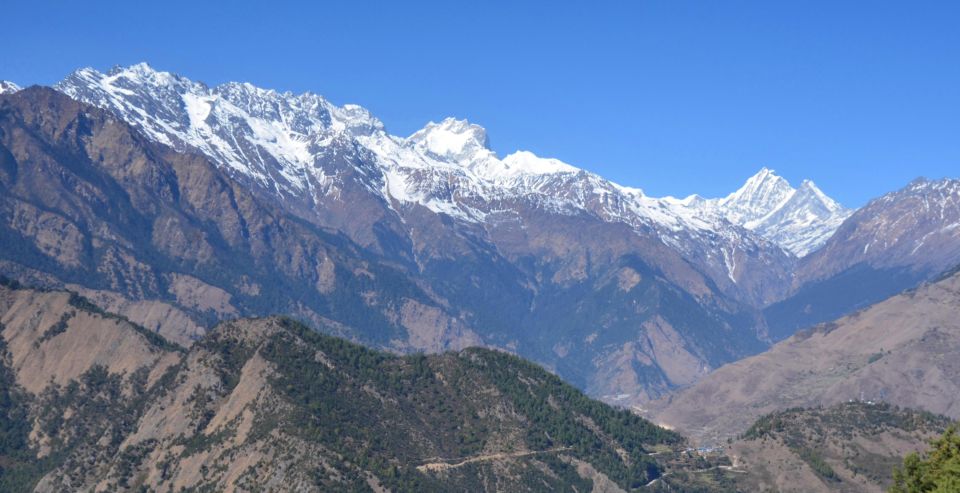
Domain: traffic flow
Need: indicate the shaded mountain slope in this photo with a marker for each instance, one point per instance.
(891, 244)
(902, 351)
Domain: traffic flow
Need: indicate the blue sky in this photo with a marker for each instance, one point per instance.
(675, 97)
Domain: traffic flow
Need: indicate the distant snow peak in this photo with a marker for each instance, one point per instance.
(142, 68)
(799, 220)
(454, 140)
(7, 87)
(467, 146)
(763, 193)
(526, 162)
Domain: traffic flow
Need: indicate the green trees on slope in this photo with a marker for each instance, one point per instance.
(937, 471)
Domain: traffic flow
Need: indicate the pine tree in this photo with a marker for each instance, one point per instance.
(938, 471)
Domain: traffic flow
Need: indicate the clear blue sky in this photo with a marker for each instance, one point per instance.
(675, 97)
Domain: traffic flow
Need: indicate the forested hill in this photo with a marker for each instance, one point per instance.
(849, 447)
(92, 401)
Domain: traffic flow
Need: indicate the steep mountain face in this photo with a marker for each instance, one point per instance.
(93, 402)
(891, 244)
(428, 242)
(798, 219)
(851, 447)
(522, 252)
(169, 240)
(165, 237)
(901, 351)
(441, 204)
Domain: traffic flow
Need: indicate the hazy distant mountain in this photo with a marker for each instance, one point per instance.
(916, 227)
(540, 241)
(167, 239)
(285, 145)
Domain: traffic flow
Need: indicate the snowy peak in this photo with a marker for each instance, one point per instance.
(526, 162)
(762, 194)
(809, 194)
(7, 87)
(457, 141)
(466, 144)
(269, 137)
(799, 220)
(139, 72)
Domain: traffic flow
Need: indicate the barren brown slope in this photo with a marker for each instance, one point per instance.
(54, 337)
(902, 351)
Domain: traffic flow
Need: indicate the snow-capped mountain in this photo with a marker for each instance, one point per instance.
(7, 87)
(762, 193)
(798, 219)
(891, 244)
(917, 226)
(304, 149)
(609, 305)
(276, 139)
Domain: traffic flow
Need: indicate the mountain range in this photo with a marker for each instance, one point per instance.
(179, 205)
(282, 141)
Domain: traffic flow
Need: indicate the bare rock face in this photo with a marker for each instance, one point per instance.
(166, 319)
(901, 351)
